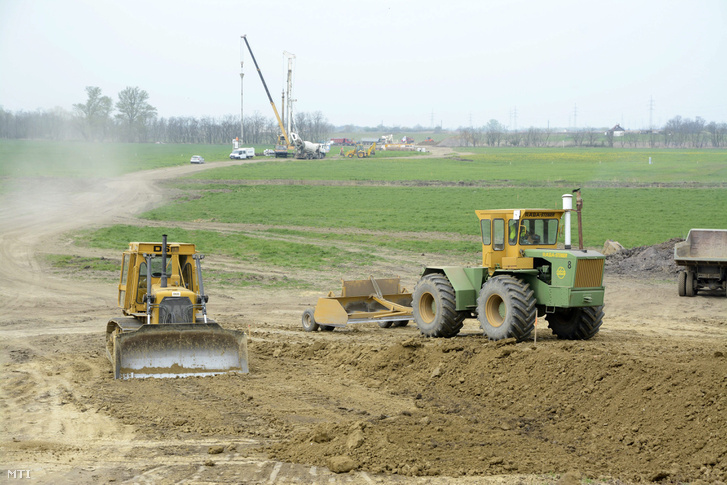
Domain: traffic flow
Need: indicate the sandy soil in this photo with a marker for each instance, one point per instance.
(645, 400)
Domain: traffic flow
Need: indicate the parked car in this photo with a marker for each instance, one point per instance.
(196, 159)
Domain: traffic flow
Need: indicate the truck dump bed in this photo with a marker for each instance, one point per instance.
(702, 246)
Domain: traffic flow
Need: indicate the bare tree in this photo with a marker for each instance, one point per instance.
(494, 131)
(134, 112)
(578, 136)
(591, 136)
(609, 138)
(717, 133)
(471, 136)
(93, 117)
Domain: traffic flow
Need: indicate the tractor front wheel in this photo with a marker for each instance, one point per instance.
(434, 307)
(576, 323)
(506, 308)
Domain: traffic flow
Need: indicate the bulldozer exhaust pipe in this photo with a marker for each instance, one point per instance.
(164, 261)
(568, 207)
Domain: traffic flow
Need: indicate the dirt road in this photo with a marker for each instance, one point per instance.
(646, 399)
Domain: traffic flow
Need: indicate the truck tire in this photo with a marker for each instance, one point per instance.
(576, 323)
(401, 323)
(682, 283)
(506, 308)
(385, 324)
(434, 307)
(689, 284)
(309, 323)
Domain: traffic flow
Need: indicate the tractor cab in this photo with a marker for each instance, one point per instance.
(507, 233)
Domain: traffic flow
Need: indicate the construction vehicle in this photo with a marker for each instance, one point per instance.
(283, 144)
(306, 149)
(703, 258)
(360, 151)
(383, 301)
(523, 275)
(166, 331)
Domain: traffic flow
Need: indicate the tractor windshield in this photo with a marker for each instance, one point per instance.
(538, 231)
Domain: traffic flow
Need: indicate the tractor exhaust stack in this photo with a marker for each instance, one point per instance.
(568, 207)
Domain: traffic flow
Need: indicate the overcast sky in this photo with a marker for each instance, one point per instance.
(451, 62)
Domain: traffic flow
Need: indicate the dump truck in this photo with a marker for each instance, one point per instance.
(165, 331)
(703, 258)
(381, 300)
(523, 276)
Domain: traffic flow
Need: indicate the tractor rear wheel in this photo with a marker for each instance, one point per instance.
(434, 307)
(309, 323)
(506, 308)
(682, 283)
(576, 323)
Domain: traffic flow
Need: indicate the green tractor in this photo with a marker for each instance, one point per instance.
(523, 275)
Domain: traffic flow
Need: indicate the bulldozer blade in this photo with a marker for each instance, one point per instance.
(179, 350)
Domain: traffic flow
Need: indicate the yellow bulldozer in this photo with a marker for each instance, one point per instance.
(165, 331)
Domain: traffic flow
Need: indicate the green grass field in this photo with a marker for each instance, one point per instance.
(631, 216)
(626, 198)
(506, 166)
(22, 158)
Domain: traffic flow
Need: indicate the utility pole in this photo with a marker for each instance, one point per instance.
(242, 129)
(289, 108)
(651, 113)
(575, 115)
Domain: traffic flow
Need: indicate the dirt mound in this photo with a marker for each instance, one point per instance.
(645, 261)
(486, 408)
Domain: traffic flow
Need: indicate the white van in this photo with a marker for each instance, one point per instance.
(242, 153)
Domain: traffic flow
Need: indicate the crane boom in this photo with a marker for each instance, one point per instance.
(272, 103)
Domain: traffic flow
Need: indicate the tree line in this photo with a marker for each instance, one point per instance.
(133, 119)
(677, 133)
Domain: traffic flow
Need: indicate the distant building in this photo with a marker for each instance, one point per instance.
(616, 131)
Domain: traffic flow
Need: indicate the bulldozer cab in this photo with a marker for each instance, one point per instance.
(142, 271)
(506, 233)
